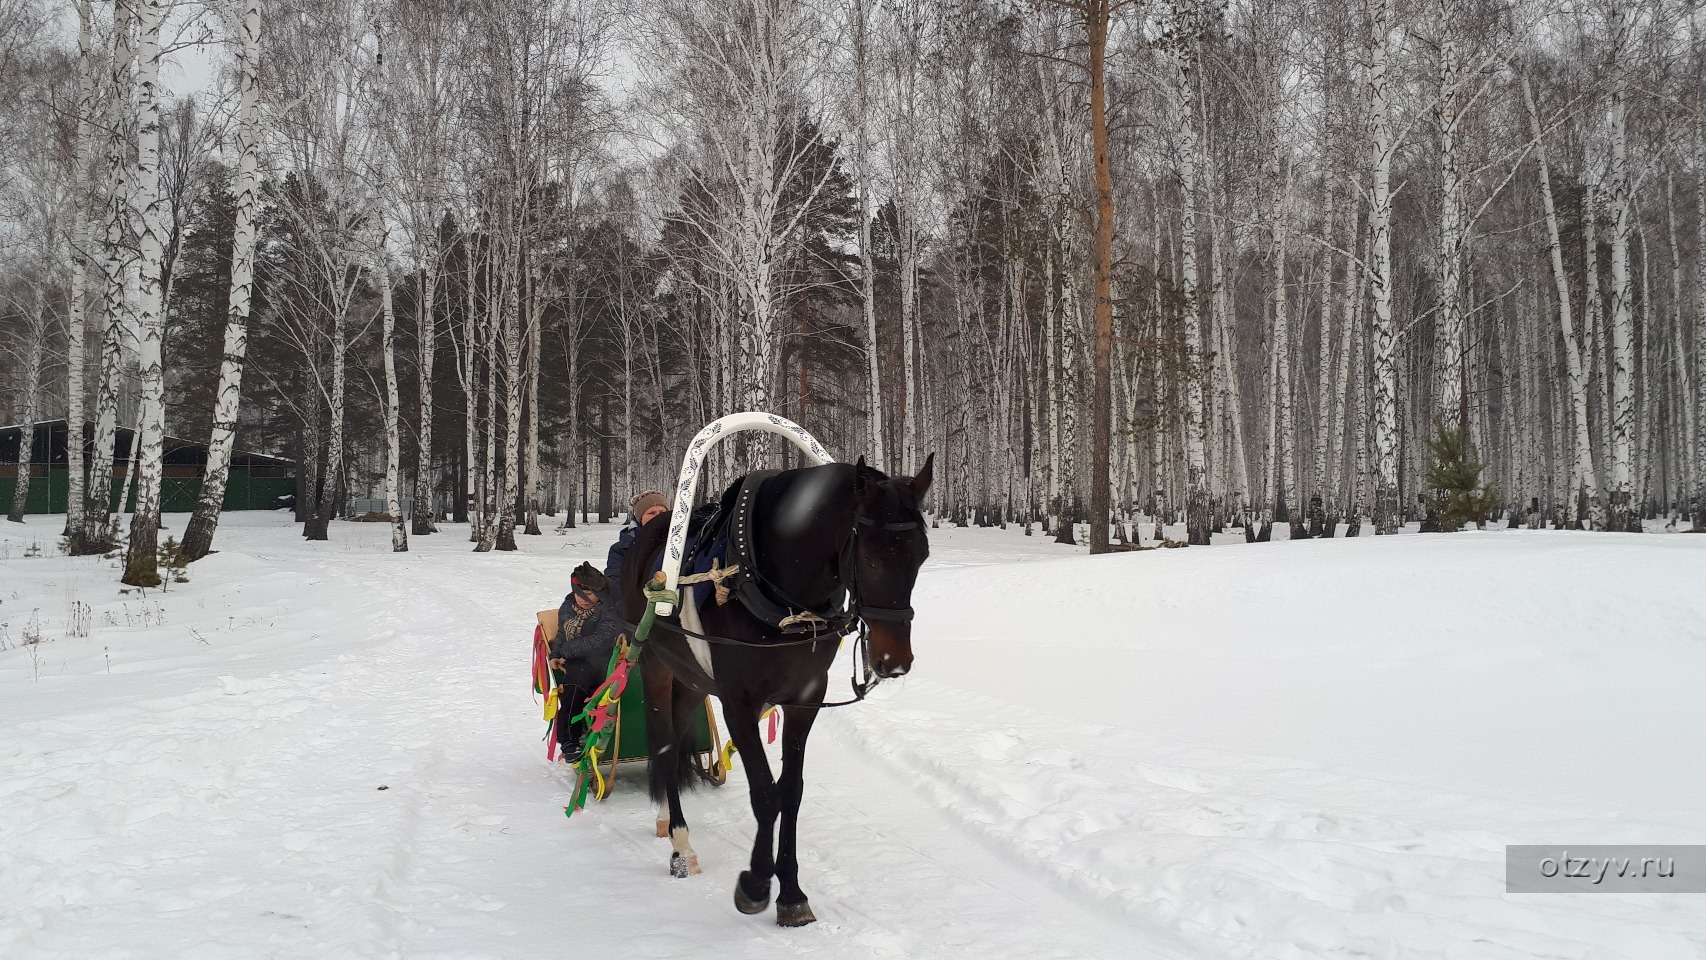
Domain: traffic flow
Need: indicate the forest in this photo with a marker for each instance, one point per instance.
(1324, 265)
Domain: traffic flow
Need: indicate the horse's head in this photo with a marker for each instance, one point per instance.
(889, 544)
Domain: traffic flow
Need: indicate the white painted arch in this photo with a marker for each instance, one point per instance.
(693, 462)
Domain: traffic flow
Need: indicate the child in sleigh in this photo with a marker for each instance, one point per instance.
(588, 628)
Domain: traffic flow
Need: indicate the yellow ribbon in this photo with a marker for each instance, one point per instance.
(729, 748)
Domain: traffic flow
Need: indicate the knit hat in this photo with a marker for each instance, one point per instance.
(646, 501)
(588, 577)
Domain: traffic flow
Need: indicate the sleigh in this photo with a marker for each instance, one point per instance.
(628, 744)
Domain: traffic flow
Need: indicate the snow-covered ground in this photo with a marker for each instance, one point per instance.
(1299, 750)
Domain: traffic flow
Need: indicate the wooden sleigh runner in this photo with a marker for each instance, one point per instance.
(628, 741)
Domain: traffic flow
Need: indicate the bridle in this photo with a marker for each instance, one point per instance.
(850, 556)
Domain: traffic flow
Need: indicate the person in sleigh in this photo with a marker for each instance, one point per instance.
(641, 511)
(588, 628)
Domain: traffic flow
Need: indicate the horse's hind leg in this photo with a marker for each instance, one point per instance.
(664, 767)
(752, 890)
(792, 908)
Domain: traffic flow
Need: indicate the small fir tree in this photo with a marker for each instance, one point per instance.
(174, 562)
(1455, 477)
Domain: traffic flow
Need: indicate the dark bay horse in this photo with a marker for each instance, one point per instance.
(819, 533)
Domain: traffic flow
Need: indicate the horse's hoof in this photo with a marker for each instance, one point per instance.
(794, 914)
(746, 904)
(681, 867)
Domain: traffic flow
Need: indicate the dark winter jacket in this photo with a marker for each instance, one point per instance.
(619, 551)
(590, 637)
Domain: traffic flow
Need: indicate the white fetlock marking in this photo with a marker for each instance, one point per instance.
(678, 841)
(663, 821)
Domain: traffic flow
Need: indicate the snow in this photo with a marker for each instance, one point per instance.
(1313, 749)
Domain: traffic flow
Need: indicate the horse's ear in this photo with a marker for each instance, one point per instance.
(921, 481)
(859, 470)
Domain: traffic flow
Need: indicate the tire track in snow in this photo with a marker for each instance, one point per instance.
(1265, 860)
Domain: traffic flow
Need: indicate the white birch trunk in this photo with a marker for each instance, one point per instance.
(910, 425)
(490, 514)
(535, 482)
(1233, 392)
(1453, 406)
(1682, 427)
(142, 560)
(1384, 334)
(37, 322)
(1051, 396)
(1285, 468)
(867, 267)
(198, 536)
(1324, 374)
(1622, 511)
(1070, 348)
(424, 517)
(1197, 519)
(1700, 324)
(115, 298)
(1594, 327)
(1583, 482)
(82, 242)
(511, 303)
(468, 371)
(393, 435)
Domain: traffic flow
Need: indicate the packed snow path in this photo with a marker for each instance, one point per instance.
(1287, 750)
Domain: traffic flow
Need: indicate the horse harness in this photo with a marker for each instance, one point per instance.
(769, 604)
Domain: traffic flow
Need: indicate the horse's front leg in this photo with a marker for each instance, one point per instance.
(752, 890)
(792, 908)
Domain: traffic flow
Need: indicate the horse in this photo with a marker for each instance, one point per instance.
(818, 533)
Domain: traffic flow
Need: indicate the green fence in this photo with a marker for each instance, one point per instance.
(179, 494)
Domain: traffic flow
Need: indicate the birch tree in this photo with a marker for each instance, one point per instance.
(1583, 487)
(1382, 146)
(393, 433)
(141, 560)
(78, 315)
(1622, 507)
(738, 77)
(117, 308)
(36, 321)
(1187, 28)
(859, 16)
(198, 535)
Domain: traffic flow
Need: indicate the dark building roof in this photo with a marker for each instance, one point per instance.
(49, 446)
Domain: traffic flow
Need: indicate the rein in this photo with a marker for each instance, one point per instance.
(861, 685)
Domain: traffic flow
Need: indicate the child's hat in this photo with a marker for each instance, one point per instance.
(587, 577)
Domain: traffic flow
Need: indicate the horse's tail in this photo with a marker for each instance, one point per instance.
(672, 712)
(672, 709)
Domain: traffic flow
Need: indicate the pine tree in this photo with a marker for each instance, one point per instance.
(1455, 478)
